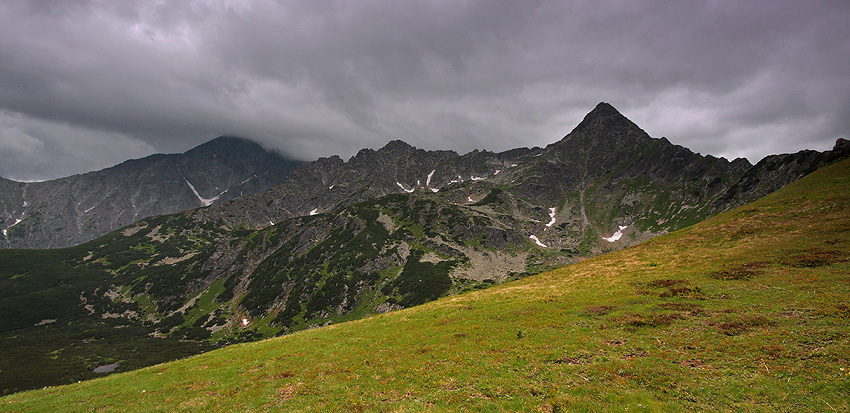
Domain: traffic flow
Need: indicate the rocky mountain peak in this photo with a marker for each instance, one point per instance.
(603, 109)
(393, 150)
(842, 147)
(396, 145)
(75, 209)
(223, 141)
(603, 128)
(605, 116)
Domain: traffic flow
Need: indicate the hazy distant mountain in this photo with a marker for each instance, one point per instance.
(75, 209)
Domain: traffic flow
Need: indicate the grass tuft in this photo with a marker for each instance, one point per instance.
(811, 258)
(742, 325)
(740, 272)
(598, 310)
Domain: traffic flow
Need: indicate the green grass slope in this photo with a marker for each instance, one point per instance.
(748, 310)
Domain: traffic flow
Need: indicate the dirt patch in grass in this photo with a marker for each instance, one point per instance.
(843, 310)
(684, 309)
(811, 257)
(286, 393)
(573, 360)
(636, 320)
(284, 375)
(200, 385)
(635, 353)
(694, 364)
(773, 351)
(740, 272)
(679, 306)
(677, 288)
(796, 313)
(598, 310)
(742, 325)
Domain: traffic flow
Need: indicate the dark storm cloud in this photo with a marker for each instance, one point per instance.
(86, 84)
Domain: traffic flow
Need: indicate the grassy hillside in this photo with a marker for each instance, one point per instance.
(747, 310)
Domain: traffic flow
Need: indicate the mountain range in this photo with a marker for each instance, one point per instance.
(340, 240)
(72, 210)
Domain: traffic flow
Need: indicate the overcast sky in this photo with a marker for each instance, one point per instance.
(85, 85)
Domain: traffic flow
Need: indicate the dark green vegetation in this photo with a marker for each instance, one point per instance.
(63, 314)
(744, 311)
(144, 294)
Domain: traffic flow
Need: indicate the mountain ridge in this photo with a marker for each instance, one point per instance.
(71, 210)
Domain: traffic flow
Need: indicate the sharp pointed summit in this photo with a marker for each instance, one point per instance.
(604, 108)
(605, 116)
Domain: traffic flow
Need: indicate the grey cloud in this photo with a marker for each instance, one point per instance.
(321, 78)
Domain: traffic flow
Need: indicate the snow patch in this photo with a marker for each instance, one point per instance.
(513, 165)
(403, 188)
(552, 216)
(537, 241)
(497, 171)
(469, 198)
(17, 221)
(617, 235)
(315, 211)
(332, 186)
(476, 178)
(434, 190)
(205, 201)
(430, 175)
(87, 211)
(245, 321)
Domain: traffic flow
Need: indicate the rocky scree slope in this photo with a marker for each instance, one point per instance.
(79, 208)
